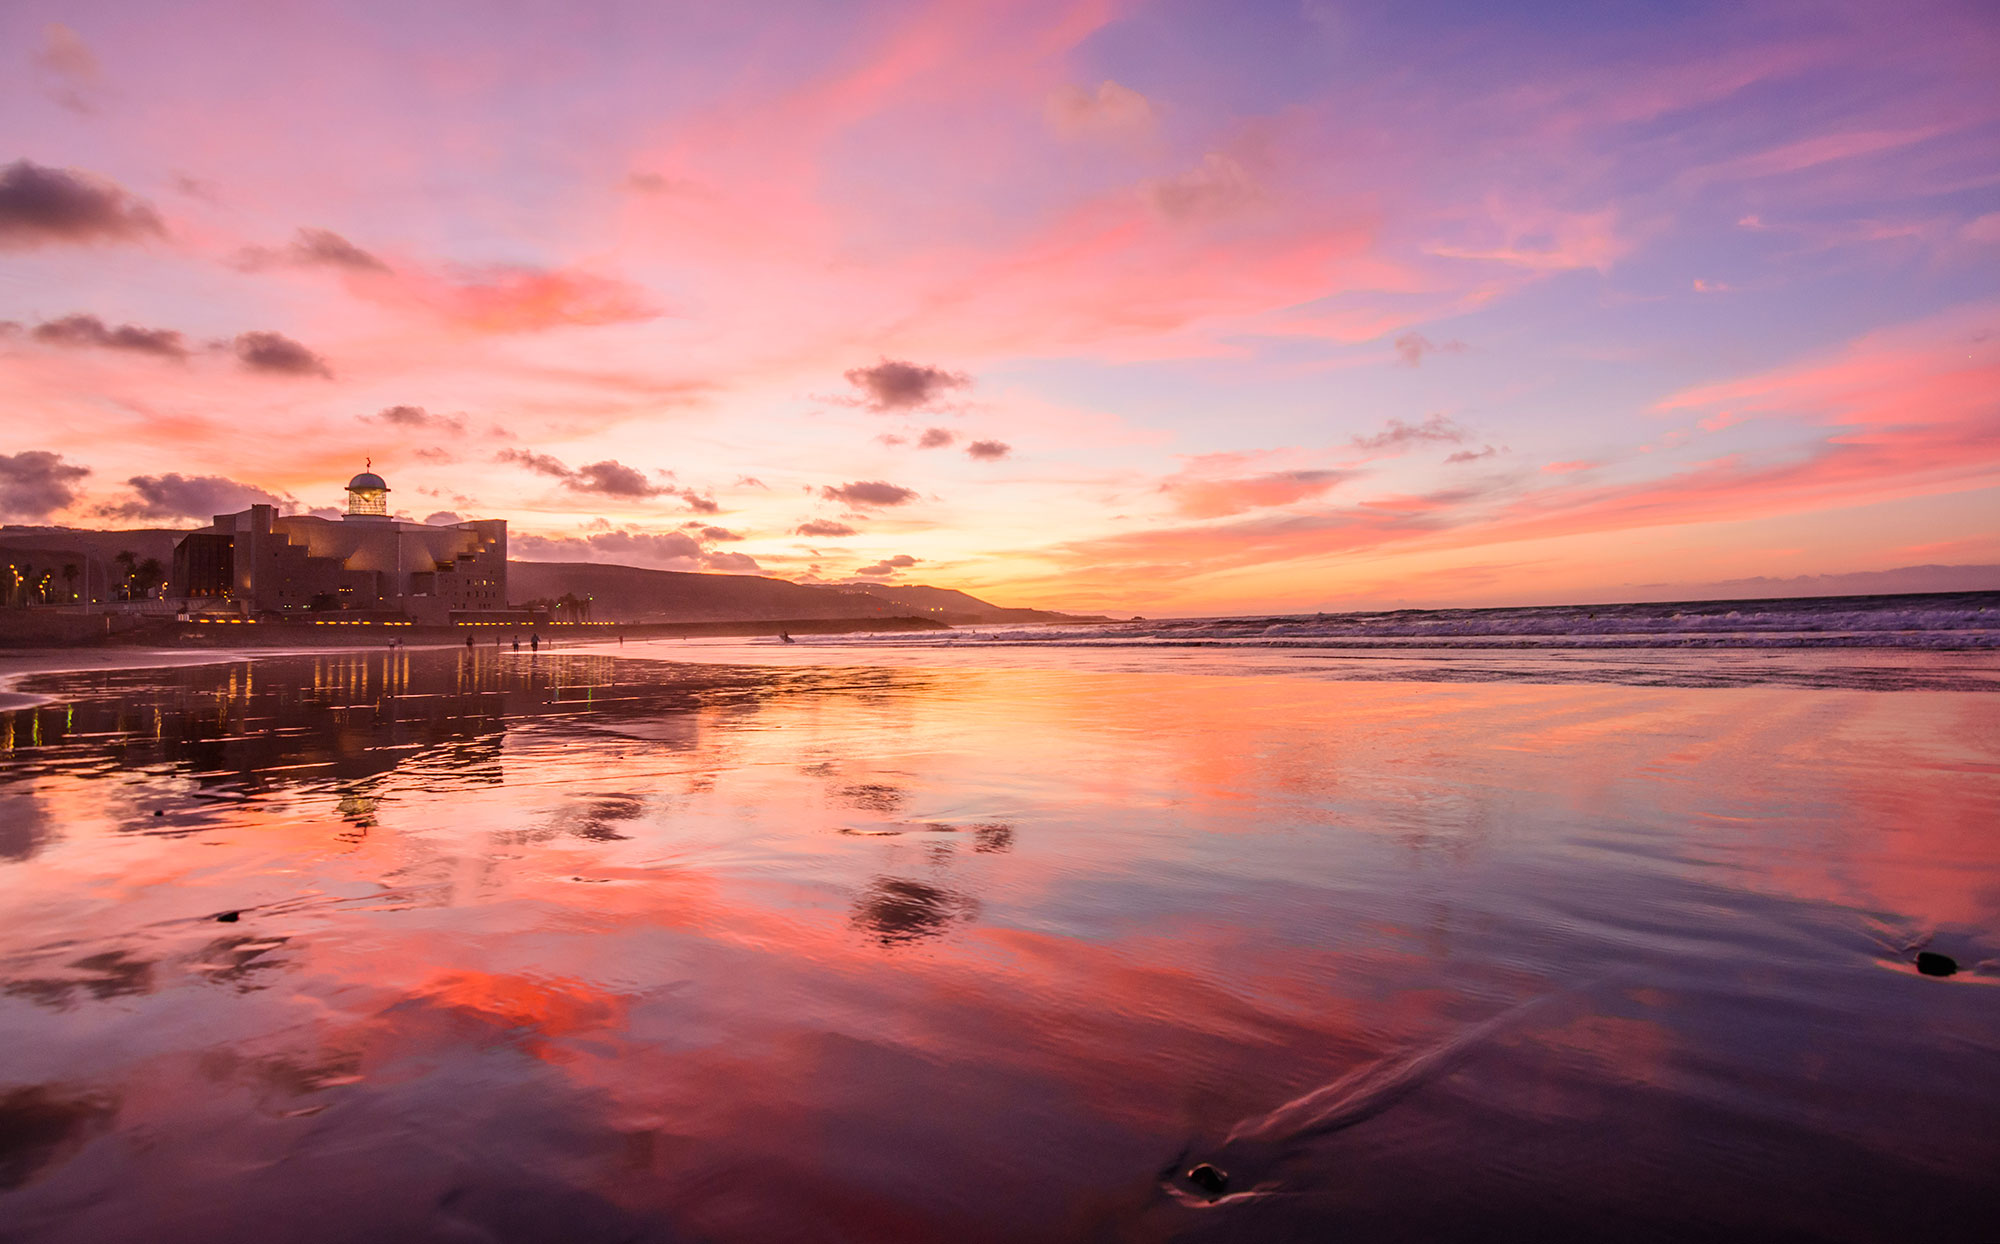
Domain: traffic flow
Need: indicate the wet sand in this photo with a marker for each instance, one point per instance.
(582, 946)
(19, 663)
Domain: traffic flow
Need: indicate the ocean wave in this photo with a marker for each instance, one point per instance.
(1946, 622)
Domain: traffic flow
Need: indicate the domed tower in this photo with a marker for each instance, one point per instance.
(367, 496)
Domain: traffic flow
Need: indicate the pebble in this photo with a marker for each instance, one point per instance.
(1208, 1178)
(1931, 963)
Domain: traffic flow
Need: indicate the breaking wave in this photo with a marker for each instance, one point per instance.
(1957, 621)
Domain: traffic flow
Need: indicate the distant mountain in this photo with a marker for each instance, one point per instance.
(953, 606)
(633, 594)
(101, 545)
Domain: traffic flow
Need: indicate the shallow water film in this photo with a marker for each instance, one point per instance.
(435, 945)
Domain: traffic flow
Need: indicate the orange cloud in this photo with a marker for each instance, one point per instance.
(1213, 498)
(512, 299)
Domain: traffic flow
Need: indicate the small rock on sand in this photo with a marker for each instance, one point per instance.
(1209, 1179)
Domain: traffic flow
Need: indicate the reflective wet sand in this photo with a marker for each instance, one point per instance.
(424, 945)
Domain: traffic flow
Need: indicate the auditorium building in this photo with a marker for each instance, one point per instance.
(259, 563)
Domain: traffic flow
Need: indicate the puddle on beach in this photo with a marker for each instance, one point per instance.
(435, 945)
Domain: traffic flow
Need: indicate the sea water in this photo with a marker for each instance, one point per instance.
(995, 938)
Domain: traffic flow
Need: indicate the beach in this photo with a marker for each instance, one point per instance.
(995, 940)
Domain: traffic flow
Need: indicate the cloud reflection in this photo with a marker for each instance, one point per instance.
(896, 911)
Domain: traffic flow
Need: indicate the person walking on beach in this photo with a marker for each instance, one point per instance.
(468, 643)
(535, 642)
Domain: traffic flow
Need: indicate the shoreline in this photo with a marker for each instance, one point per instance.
(331, 633)
(19, 663)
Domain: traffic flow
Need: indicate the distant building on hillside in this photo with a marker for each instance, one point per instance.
(261, 562)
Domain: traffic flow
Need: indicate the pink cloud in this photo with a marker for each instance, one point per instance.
(1110, 109)
(506, 299)
(1940, 370)
(1917, 410)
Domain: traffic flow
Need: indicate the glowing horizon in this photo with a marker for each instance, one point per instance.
(1157, 308)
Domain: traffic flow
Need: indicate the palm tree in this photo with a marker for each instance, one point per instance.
(70, 571)
(150, 574)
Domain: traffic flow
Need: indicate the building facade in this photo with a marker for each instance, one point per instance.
(261, 563)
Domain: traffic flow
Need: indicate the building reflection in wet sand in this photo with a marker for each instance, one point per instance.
(437, 945)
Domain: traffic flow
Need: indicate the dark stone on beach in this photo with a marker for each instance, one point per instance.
(1208, 1178)
(1931, 963)
(230, 917)
(158, 812)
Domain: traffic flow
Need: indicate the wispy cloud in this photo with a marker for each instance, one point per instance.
(611, 478)
(1214, 498)
(1109, 109)
(69, 72)
(417, 417)
(1471, 455)
(1412, 347)
(824, 527)
(886, 567)
(1399, 435)
(311, 248)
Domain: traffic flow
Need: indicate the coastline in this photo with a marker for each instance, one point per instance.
(19, 663)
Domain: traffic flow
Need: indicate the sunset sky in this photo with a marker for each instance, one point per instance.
(1153, 307)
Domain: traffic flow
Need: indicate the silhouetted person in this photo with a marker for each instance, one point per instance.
(468, 643)
(517, 643)
(535, 642)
